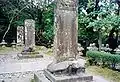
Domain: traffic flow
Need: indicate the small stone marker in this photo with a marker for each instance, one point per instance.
(20, 35)
(3, 43)
(13, 44)
(79, 49)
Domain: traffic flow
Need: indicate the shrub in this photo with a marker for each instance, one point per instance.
(96, 57)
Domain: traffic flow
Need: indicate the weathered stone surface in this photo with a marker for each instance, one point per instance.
(40, 77)
(74, 78)
(24, 55)
(21, 56)
(20, 35)
(66, 68)
(64, 65)
(29, 33)
(66, 23)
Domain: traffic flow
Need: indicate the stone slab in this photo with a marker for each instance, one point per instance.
(40, 78)
(21, 56)
(74, 78)
(29, 53)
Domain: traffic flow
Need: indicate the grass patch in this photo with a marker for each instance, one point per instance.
(40, 48)
(32, 80)
(49, 51)
(110, 75)
(9, 49)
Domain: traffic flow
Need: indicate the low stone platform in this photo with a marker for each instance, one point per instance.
(29, 53)
(40, 77)
(23, 55)
(72, 78)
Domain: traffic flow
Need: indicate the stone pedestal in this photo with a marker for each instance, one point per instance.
(25, 55)
(72, 78)
(68, 71)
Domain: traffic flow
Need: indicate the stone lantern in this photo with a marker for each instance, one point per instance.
(80, 49)
(3, 43)
(13, 44)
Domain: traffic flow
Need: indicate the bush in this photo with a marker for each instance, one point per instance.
(106, 59)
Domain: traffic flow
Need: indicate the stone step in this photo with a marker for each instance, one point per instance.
(40, 77)
(65, 78)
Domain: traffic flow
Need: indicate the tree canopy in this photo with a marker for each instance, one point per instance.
(94, 16)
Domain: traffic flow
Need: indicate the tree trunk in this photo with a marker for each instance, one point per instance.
(99, 40)
(7, 29)
(14, 15)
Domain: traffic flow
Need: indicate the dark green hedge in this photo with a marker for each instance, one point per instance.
(103, 58)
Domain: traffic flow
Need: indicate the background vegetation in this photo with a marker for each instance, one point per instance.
(98, 19)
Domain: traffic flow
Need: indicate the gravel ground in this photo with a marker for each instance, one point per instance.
(13, 58)
(17, 77)
(13, 69)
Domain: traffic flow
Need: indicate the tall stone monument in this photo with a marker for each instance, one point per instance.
(20, 35)
(66, 23)
(29, 46)
(29, 33)
(66, 68)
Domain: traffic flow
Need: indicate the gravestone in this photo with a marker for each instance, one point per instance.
(20, 35)
(66, 68)
(29, 33)
(66, 23)
(29, 46)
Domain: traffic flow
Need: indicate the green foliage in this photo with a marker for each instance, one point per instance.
(32, 80)
(48, 17)
(42, 12)
(85, 33)
(104, 58)
(97, 22)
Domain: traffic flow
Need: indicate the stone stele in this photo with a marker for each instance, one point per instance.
(66, 68)
(29, 46)
(20, 35)
(29, 33)
(66, 25)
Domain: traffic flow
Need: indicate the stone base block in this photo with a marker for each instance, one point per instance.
(40, 78)
(29, 53)
(24, 55)
(73, 78)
